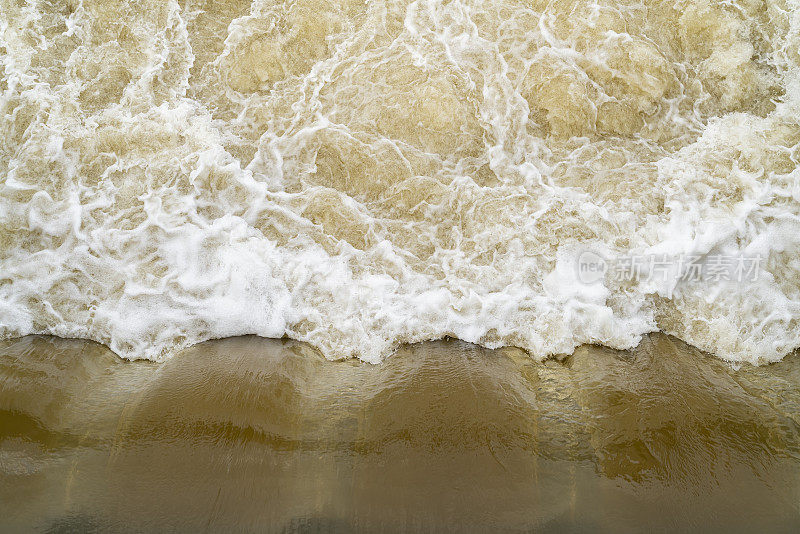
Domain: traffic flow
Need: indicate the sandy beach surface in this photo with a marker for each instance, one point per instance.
(253, 434)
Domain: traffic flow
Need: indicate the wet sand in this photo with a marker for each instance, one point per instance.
(251, 434)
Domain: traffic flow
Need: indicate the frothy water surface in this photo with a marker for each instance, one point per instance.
(360, 175)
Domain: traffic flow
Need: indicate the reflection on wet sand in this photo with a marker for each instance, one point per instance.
(256, 434)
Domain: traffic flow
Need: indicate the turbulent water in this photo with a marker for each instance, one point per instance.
(361, 174)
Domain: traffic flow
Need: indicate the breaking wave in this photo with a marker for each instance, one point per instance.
(360, 174)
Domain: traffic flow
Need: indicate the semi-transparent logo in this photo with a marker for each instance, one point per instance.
(593, 267)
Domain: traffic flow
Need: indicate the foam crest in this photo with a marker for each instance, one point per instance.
(362, 175)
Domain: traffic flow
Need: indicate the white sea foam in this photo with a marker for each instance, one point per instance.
(364, 174)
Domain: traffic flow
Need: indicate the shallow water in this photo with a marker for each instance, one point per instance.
(247, 434)
(359, 175)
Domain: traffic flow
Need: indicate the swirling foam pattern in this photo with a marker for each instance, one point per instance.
(360, 174)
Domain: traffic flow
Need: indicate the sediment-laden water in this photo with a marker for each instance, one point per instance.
(363, 174)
